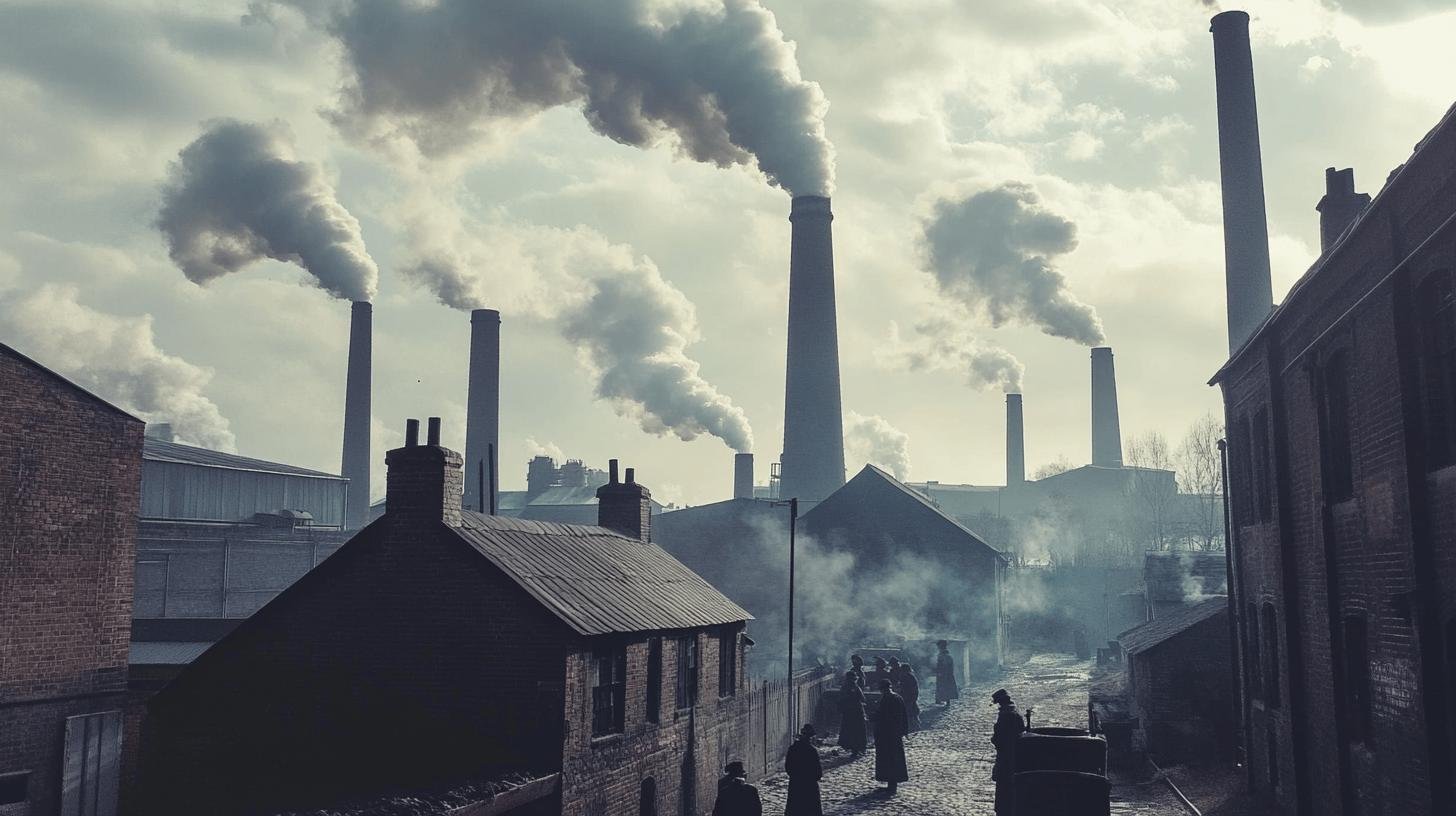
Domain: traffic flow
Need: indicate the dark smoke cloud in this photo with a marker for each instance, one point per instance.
(993, 251)
(238, 195)
(716, 75)
(944, 345)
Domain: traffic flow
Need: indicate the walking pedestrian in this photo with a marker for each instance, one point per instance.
(890, 739)
(945, 679)
(852, 729)
(910, 690)
(1009, 726)
(802, 765)
(856, 668)
(735, 796)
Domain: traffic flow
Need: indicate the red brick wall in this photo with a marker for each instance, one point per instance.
(69, 496)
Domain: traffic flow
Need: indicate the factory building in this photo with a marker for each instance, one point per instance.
(72, 486)
(1342, 468)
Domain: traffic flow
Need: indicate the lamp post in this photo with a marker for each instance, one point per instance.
(793, 505)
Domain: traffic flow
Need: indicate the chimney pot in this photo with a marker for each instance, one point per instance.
(424, 482)
(625, 508)
(1339, 207)
(631, 475)
(611, 471)
(434, 432)
(411, 433)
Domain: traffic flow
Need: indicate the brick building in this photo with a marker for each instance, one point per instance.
(1180, 689)
(70, 473)
(1341, 410)
(441, 646)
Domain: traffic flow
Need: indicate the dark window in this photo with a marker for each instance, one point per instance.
(1270, 630)
(1357, 677)
(1251, 651)
(647, 801)
(688, 787)
(1272, 747)
(609, 692)
(728, 664)
(1438, 366)
(687, 671)
(1263, 465)
(1243, 452)
(14, 787)
(1338, 453)
(654, 679)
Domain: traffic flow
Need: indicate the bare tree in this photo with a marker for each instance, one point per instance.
(1053, 468)
(1152, 490)
(1200, 482)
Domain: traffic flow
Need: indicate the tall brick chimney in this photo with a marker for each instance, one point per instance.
(1340, 205)
(1015, 442)
(424, 481)
(482, 409)
(742, 475)
(1106, 429)
(357, 389)
(625, 507)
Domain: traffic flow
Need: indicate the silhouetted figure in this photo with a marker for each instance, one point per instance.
(881, 672)
(1079, 643)
(890, 739)
(735, 796)
(945, 679)
(802, 765)
(894, 669)
(856, 668)
(910, 691)
(1009, 726)
(853, 734)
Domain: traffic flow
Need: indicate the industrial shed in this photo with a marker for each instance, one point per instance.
(188, 483)
(1179, 682)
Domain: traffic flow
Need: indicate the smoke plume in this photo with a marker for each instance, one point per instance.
(116, 358)
(630, 327)
(716, 77)
(943, 345)
(238, 194)
(993, 252)
(873, 440)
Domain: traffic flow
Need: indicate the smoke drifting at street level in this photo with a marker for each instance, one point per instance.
(873, 440)
(942, 345)
(720, 78)
(238, 194)
(993, 251)
(118, 359)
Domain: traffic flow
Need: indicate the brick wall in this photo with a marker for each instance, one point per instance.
(1181, 693)
(71, 489)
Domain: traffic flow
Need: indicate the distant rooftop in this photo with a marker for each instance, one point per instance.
(1153, 633)
(157, 450)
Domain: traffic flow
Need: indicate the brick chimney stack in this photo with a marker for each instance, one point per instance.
(1340, 206)
(625, 507)
(424, 481)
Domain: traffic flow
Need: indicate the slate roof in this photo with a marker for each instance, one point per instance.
(596, 581)
(1148, 635)
(157, 450)
(921, 499)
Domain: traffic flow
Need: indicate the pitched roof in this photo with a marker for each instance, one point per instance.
(157, 450)
(4, 349)
(597, 581)
(1145, 636)
(870, 472)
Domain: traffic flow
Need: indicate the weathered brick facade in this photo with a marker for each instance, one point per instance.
(1341, 497)
(70, 476)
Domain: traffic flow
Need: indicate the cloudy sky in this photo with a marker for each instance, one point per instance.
(1012, 181)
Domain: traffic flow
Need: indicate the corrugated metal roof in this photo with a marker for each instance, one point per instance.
(166, 653)
(1146, 636)
(157, 450)
(596, 581)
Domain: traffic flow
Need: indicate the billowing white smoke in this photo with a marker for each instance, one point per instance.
(116, 358)
(238, 194)
(549, 448)
(630, 327)
(873, 440)
(942, 345)
(992, 251)
(717, 77)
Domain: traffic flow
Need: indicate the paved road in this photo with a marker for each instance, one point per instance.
(950, 761)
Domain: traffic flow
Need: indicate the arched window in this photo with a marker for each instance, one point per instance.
(647, 802)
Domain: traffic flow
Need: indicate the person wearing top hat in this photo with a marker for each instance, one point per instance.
(735, 796)
(802, 765)
(945, 679)
(1009, 726)
(856, 668)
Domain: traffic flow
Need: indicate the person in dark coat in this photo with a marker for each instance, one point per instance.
(945, 679)
(1009, 726)
(890, 739)
(856, 668)
(882, 670)
(895, 674)
(852, 729)
(910, 691)
(802, 765)
(735, 796)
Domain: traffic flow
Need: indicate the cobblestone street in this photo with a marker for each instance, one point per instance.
(950, 759)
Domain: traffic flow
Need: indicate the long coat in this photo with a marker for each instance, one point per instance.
(737, 798)
(945, 679)
(802, 764)
(853, 734)
(910, 691)
(1009, 726)
(890, 724)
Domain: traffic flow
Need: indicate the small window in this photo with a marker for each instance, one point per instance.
(1357, 677)
(687, 671)
(1438, 366)
(1338, 448)
(1255, 677)
(1263, 464)
(609, 692)
(654, 680)
(647, 800)
(1271, 656)
(728, 663)
(14, 788)
(1244, 489)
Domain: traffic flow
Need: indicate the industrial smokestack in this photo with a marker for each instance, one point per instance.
(1245, 225)
(482, 410)
(813, 459)
(1015, 442)
(1339, 207)
(1106, 431)
(742, 475)
(356, 415)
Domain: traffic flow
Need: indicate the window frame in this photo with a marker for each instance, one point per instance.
(654, 680)
(1337, 453)
(609, 690)
(686, 685)
(727, 663)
